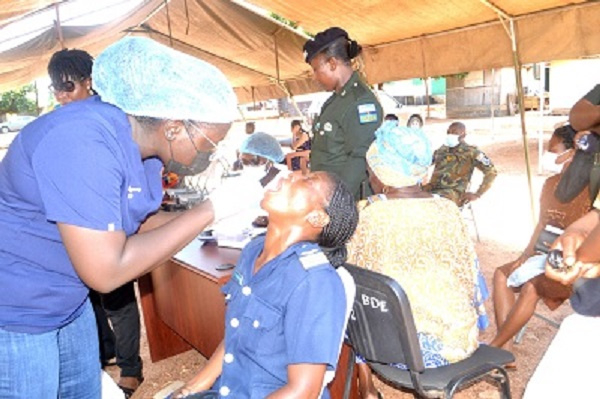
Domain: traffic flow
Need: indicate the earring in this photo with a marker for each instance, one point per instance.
(170, 134)
(90, 91)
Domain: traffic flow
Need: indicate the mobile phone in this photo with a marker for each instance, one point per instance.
(555, 259)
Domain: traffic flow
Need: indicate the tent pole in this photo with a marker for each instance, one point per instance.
(492, 96)
(517, 67)
(59, 27)
(510, 30)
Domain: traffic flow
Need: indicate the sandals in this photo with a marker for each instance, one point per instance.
(129, 391)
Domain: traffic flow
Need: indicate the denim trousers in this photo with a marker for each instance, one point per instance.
(61, 363)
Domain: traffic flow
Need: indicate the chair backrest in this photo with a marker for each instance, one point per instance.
(350, 290)
(381, 327)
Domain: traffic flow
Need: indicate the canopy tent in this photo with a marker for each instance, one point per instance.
(441, 37)
(405, 39)
(261, 57)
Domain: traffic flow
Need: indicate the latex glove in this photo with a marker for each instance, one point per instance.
(236, 195)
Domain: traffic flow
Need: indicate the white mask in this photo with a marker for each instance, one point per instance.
(452, 140)
(254, 172)
(549, 162)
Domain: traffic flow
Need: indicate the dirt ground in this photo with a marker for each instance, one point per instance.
(504, 219)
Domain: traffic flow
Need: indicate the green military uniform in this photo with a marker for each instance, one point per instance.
(343, 132)
(454, 168)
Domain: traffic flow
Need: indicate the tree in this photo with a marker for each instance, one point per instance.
(17, 101)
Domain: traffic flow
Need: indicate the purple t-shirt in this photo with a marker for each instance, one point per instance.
(77, 165)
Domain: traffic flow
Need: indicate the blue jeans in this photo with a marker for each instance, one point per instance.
(62, 363)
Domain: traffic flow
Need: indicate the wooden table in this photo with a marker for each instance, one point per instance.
(184, 308)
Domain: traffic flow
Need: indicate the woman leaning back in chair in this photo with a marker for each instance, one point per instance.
(422, 242)
(286, 304)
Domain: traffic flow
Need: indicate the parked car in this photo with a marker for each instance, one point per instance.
(411, 116)
(408, 115)
(16, 123)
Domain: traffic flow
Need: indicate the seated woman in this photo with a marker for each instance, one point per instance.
(286, 304)
(423, 243)
(520, 276)
(298, 160)
(259, 153)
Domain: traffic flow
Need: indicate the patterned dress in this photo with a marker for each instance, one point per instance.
(424, 244)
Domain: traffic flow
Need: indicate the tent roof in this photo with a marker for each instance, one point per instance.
(406, 38)
(240, 42)
(401, 39)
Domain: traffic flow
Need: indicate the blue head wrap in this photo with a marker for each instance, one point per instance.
(400, 156)
(145, 78)
(262, 145)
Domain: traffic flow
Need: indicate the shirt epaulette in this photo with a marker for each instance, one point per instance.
(313, 258)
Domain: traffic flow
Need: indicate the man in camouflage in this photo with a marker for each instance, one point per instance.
(454, 164)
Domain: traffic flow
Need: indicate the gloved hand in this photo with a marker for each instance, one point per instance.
(236, 195)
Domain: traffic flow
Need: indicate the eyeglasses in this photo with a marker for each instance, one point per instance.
(66, 86)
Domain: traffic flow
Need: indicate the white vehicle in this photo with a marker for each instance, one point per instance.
(16, 123)
(410, 116)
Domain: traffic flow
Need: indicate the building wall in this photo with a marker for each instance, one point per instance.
(570, 80)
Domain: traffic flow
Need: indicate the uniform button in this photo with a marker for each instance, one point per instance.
(234, 323)
(355, 84)
(256, 324)
(344, 93)
(321, 132)
(224, 391)
(246, 290)
(228, 358)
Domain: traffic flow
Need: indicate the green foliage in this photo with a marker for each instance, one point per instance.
(283, 20)
(291, 24)
(16, 101)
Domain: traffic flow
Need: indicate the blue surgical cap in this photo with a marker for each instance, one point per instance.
(263, 145)
(145, 78)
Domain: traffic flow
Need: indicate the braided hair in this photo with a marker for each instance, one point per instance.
(70, 64)
(343, 219)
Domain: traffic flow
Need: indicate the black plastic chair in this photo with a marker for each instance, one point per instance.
(382, 329)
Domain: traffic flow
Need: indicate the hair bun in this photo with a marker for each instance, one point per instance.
(354, 49)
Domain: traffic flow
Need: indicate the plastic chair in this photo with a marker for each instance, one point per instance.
(382, 330)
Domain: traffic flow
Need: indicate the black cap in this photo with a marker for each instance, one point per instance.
(323, 39)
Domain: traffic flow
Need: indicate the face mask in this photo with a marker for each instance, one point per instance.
(254, 172)
(549, 162)
(199, 164)
(452, 140)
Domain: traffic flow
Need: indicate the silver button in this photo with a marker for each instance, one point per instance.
(234, 323)
(343, 93)
(246, 290)
(321, 132)
(355, 84)
(224, 391)
(228, 358)
(256, 324)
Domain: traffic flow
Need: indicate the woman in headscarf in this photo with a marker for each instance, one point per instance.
(80, 188)
(286, 305)
(423, 243)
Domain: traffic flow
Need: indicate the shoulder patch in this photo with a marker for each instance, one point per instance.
(313, 258)
(367, 113)
(481, 157)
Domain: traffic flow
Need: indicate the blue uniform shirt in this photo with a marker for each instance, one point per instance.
(291, 311)
(77, 165)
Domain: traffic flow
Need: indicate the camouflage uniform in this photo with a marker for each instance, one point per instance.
(343, 132)
(454, 168)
